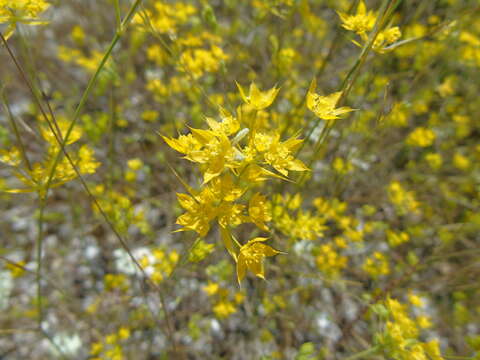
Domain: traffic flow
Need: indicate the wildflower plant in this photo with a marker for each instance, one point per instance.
(235, 157)
(33, 177)
(357, 165)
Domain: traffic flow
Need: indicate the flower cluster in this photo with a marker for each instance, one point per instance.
(234, 159)
(21, 11)
(35, 176)
(225, 303)
(399, 339)
(363, 22)
(160, 264)
(111, 347)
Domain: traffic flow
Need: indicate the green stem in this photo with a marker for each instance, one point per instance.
(118, 13)
(364, 353)
(386, 11)
(334, 43)
(13, 123)
(39, 260)
(90, 86)
(63, 141)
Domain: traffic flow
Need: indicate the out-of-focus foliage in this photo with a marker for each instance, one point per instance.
(278, 179)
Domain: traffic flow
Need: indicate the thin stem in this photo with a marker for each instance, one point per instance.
(117, 13)
(13, 123)
(334, 43)
(386, 11)
(91, 84)
(62, 151)
(364, 353)
(38, 277)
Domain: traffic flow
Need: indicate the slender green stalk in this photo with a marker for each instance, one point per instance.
(184, 258)
(63, 140)
(39, 260)
(364, 354)
(334, 43)
(39, 275)
(91, 84)
(330, 52)
(386, 11)
(13, 123)
(118, 13)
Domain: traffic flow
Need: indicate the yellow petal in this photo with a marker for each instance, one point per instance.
(242, 93)
(311, 95)
(258, 269)
(175, 144)
(227, 241)
(241, 268)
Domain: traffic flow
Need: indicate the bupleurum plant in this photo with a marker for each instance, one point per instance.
(235, 158)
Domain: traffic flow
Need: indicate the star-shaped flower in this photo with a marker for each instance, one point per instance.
(325, 106)
(251, 257)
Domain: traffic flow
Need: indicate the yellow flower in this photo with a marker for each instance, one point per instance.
(424, 322)
(224, 188)
(395, 239)
(385, 38)
(21, 11)
(329, 261)
(11, 157)
(211, 288)
(63, 125)
(200, 211)
(415, 300)
(150, 115)
(404, 201)
(257, 99)
(214, 201)
(135, 164)
(96, 348)
(325, 106)
(87, 163)
(421, 137)
(200, 251)
(279, 154)
(432, 348)
(239, 298)
(434, 160)
(258, 211)
(461, 162)
(341, 166)
(124, 333)
(185, 144)
(212, 149)
(251, 257)
(228, 126)
(377, 265)
(224, 309)
(363, 22)
(16, 269)
(111, 339)
(359, 23)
